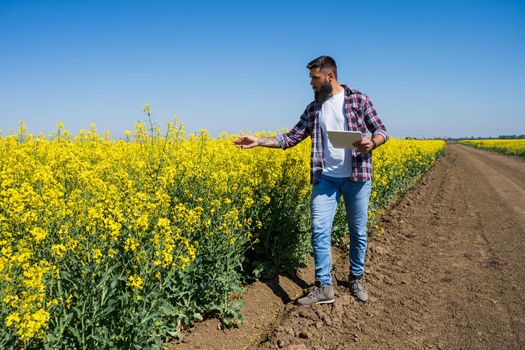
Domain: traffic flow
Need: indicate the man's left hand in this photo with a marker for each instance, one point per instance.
(365, 145)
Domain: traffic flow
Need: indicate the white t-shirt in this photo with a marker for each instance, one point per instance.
(337, 161)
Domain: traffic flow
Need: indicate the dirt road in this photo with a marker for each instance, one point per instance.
(448, 273)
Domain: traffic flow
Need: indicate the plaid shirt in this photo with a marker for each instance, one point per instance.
(360, 116)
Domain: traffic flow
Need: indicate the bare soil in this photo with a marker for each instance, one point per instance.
(448, 273)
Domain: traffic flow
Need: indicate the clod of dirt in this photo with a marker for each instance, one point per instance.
(304, 335)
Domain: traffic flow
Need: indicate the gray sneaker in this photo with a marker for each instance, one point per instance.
(319, 295)
(357, 288)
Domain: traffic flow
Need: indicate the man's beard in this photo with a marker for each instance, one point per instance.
(323, 93)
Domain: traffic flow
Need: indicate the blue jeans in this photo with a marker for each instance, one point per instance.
(325, 196)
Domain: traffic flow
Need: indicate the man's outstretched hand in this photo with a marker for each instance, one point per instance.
(246, 141)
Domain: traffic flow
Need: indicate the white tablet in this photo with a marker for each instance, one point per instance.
(344, 139)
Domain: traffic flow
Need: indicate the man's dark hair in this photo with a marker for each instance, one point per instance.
(324, 63)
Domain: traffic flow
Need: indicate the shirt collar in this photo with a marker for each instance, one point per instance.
(348, 91)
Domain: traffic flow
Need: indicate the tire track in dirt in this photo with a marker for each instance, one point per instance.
(504, 174)
(448, 273)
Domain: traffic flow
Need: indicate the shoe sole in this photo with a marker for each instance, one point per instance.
(360, 300)
(317, 303)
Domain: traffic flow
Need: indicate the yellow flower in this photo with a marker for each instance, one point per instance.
(97, 254)
(52, 302)
(12, 319)
(22, 127)
(131, 244)
(68, 301)
(59, 250)
(111, 253)
(39, 234)
(248, 203)
(135, 282)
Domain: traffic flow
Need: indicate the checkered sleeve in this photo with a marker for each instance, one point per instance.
(299, 132)
(372, 121)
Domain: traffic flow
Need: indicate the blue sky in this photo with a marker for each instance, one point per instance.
(431, 68)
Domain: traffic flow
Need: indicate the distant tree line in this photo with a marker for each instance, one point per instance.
(503, 137)
(522, 136)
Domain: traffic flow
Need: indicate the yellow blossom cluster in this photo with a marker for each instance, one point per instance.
(397, 163)
(513, 147)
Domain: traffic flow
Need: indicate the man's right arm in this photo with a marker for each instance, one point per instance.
(268, 142)
(250, 141)
(298, 133)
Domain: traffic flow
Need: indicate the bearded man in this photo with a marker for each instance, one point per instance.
(334, 172)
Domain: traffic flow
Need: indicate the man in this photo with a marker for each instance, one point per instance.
(334, 172)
